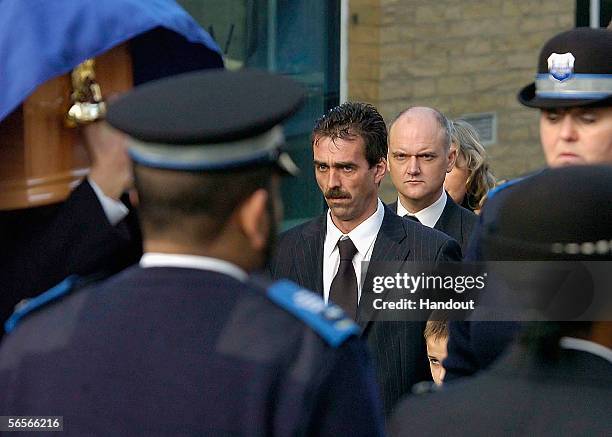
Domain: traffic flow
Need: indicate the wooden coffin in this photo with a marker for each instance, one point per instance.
(41, 159)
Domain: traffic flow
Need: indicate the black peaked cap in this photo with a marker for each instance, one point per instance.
(592, 49)
(206, 107)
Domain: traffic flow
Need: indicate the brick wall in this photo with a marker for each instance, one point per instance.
(460, 56)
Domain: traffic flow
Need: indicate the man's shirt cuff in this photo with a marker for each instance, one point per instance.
(115, 210)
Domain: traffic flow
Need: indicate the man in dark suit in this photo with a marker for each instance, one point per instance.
(420, 155)
(188, 342)
(326, 253)
(575, 129)
(558, 379)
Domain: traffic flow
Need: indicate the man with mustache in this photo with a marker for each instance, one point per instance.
(325, 254)
(420, 155)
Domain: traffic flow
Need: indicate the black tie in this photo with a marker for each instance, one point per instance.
(343, 290)
(413, 218)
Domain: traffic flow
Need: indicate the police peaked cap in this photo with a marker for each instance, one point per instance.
(574, 69)
(208, 120)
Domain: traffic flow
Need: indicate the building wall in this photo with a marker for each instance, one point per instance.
(460, 56)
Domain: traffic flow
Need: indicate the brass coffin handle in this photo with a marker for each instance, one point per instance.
(87, 103)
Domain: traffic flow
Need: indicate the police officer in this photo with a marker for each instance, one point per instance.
(557, 380)
(573, 90)
(188, 342)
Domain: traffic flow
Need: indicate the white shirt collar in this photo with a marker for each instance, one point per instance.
(155, 259)
(580, 344)
(362, 236)
(428, 216)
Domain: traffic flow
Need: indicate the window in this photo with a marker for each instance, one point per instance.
(297, 38)
(583, 11)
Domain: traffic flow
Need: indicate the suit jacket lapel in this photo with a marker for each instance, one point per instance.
(389, 246)
(393, 206)
(444, 223)
(309, 257)
(450, 221)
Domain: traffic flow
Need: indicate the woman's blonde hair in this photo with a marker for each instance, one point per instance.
(480, 178)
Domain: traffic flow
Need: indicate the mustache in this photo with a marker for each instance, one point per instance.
(337, 193)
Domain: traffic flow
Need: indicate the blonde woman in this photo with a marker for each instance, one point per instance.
(471, 179)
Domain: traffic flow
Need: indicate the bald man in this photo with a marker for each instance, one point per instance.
(419, 158)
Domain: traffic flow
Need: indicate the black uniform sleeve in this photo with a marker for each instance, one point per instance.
(460, 360)
(472, 346)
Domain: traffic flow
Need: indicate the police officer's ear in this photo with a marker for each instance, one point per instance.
(254, 220)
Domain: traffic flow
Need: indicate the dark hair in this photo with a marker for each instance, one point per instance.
(355, 119)
(194, 204)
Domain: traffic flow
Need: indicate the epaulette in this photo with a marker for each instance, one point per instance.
(511, 183)
(31, 305)
(329, 321)
(503, 186)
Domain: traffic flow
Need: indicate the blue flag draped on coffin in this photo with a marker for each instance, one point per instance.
(42, 39)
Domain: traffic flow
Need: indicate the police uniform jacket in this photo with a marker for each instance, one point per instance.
(184, 351)
(522, 394)
(475, 345)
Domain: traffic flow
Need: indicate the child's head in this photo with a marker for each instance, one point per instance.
(436, 338)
